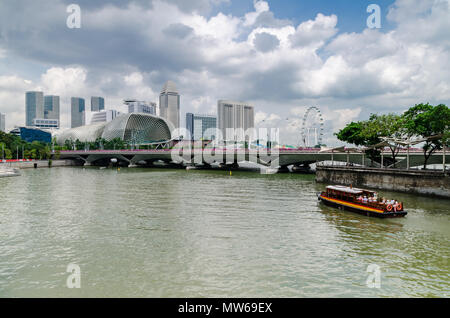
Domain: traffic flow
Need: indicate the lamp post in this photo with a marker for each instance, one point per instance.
(348, 157)
(443, 160)
(407, 157)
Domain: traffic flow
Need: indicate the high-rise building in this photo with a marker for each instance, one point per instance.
(97, 104)
(34, 106)
(51, 112)
(2, 122)
(104, 116)
(135, 106)
(77, 112)
(201, 127)
(169, 103)
(235, 115)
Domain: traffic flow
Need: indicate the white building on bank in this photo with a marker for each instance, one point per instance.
(103, 116)
(169, 104)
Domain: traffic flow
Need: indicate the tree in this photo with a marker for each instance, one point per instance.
(8, 154)
(425, 120)
(389, 126)
(68, 145)
(352, 133)
(359, 134)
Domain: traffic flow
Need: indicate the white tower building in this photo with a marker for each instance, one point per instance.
(169, 104)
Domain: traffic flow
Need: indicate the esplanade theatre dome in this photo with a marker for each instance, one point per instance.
(138, 128)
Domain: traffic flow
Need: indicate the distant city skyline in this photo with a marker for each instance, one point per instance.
(283, 56)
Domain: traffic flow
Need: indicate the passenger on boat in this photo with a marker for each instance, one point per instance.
(395, 206)
(365, 199)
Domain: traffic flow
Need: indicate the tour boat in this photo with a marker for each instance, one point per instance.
(361, 201)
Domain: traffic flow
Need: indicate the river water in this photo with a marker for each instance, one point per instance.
(176, 233)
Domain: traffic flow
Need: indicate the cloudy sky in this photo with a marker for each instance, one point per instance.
(280, 55)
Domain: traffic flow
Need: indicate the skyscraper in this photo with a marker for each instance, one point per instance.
(51, 108)
(169, 103)
(135, 106)
(236, 115)
(97, 104)
(2, 122)
(77, 112)
(198, 126)
(34, 106)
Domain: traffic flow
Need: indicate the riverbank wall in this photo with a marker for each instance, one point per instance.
(39, 164)
(429, 183)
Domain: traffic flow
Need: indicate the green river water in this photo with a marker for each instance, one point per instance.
(177, 233)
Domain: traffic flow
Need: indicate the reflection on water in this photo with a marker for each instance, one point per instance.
(176, 233)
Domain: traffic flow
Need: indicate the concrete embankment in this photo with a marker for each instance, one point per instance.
(39, 164)
(431, 183)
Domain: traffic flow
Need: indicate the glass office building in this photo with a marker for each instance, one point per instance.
(51, 112)
(97, 104)
(32, 134)
(201, 127)
(34, 106)
(78, 114)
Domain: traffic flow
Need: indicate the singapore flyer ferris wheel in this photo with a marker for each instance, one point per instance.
(312, 127)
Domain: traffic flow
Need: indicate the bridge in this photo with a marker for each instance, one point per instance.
(274, 158)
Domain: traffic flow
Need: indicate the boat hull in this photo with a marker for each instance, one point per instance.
(360, 209)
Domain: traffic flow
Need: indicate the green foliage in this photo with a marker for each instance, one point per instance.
(425, 120)
(8, 154)
(353, 134)
(98, 144)
(14, 145)
(422, 120)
